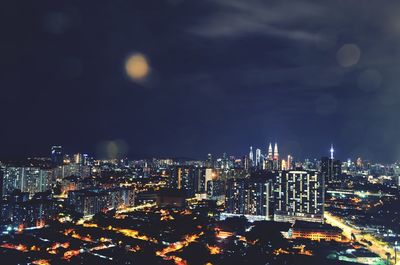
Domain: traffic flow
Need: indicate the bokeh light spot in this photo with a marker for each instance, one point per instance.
(114, 149)
(137, 67)
(348, 55)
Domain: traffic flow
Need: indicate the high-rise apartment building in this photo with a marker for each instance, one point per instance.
(299, 195)
(56, 155)
(26, 179)
(249, 196)
(187, 178)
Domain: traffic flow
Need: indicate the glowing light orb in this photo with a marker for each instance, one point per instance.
(137, 67)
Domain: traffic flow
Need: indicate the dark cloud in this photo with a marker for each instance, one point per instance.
(234, 18)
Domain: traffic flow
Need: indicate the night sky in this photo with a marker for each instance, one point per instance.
(223, 75)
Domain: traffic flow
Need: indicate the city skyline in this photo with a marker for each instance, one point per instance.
(74, 209)
(212, 132)
(265, 154)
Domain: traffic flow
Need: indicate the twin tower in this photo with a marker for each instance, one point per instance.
(273, 155)
(261, 160)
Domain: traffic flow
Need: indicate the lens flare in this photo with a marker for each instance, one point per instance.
(137, 67)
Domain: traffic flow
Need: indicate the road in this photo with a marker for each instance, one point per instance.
(135, 208)
(377, 247)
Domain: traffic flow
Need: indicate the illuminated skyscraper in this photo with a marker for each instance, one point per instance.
(56, 155)
(209, 162)
(283, 165)
(13, 179)
(199, 179)
(359, 164)
(251, 157)
(246, 163)
(224, 161)
(26, 179)
(210, 174)
(183, 178)
(92, 201)
(268, 163)
(216, 190)
(289, 163)
(249, 196)
(276, 158)
(276, 153)
(85, 159)
(78, 158)
(270, 154)
(331, 169)
(258, 158)
(299, 195)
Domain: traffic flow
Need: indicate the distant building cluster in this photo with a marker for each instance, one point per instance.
(89, 202)
(258, 186)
